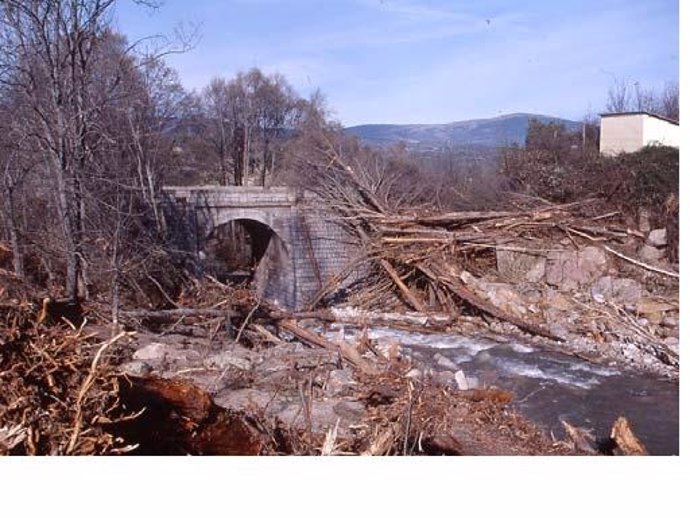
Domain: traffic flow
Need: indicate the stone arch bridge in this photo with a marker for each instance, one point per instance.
(297, 246)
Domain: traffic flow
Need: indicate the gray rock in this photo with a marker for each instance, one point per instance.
(602, 289)
(444, 362)
(627, 290)
(161, 352)
(349, 410)
(227, 359)
(446, 378)
(624, 290)
(152, 351)
(274, 364)
(500, 294)
(503, 296)
(136, 368)
(245, 399)
(472, 382)
(650, 254)
(519, 266)
(669, 322)
(414, 374)
(339, 381)
(461, 380)
(570, 269)
(558, 329)
(598, 298)
(644, 220)
(483, 357)
(323, 415)
(657, 237)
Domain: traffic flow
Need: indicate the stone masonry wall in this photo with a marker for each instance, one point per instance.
(308, 248)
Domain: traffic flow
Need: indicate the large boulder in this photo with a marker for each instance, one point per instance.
(157, 352)
(654, 310)
(613, 289)
(519, 266)
(501, 295)
(650, 254)
(570, 269)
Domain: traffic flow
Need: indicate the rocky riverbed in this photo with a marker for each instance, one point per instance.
(316, 392)
(617, 355)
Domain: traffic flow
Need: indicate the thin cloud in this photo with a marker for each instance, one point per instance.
(554, 71)
(393, 23)
(434, 60)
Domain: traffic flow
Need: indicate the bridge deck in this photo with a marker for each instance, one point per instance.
(229, 196)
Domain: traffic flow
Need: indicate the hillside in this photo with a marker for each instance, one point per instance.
(494, 132)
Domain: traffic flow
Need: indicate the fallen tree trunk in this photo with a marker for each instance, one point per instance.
(447, 219)
(186, 421)
(347, 351)
(163, 314)
(406, 292)
(485, 306)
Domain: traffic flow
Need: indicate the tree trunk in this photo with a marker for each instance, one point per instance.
(65, 209)
(153, 199)
(11, 216)
(245, 161)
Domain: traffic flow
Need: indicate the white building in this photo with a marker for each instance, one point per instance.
(630, 131)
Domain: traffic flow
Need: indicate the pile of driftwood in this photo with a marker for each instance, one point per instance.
(403, 414)
(64, 394)
(59, 384)
(418, 257)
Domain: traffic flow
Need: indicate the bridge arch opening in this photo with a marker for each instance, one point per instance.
(243, 251)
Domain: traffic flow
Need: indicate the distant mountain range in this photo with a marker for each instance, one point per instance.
(495, 132)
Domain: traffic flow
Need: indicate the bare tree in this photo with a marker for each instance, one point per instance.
(619, 97)
(670, 101)
(92, 116)
(248, 117)
(632, 96)
(217, 104)
(14, 170)
(47, 55)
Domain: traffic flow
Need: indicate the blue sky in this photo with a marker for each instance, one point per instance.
(427, 61)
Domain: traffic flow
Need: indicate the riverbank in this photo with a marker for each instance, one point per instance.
(318, 393)
(336, 381)
(593, 326)
(438, 351)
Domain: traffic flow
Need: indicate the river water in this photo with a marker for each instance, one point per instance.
(549, 386)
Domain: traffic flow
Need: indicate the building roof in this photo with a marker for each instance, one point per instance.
(618, 114)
